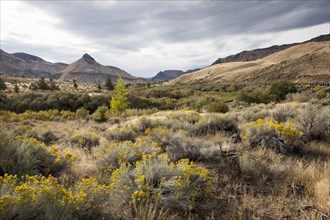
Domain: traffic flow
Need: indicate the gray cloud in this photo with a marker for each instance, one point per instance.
(131, 26)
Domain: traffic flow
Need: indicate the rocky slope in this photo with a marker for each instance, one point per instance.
(26, 65)
(86, 69)
(167, 75)
(305, 63)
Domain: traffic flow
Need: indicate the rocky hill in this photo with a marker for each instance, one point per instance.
(260, 53)
(26, 65)
(167, 75)
(86, 69)
(306, 63)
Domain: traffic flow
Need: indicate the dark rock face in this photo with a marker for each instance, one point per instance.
(167, 75)
(88, 59)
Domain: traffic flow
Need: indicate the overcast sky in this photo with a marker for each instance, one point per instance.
(145, 37)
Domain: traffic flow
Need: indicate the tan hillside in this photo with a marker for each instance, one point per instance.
(309, 62)
(86, 69)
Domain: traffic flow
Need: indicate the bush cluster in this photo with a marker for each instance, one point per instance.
(27, 156)
(269, 133)
(87, 140)
(52, 101)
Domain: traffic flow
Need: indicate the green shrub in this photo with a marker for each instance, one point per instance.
(278, 90)
(219, 107)
(100, 114)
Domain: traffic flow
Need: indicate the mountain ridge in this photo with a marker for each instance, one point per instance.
(304, 63)
(255, 54)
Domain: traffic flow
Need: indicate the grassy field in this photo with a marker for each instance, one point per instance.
(176, 153)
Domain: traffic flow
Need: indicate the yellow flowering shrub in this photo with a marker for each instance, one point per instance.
(85, 140)
(23, 156)
(283, 137)
(31, 197)
(178, 186)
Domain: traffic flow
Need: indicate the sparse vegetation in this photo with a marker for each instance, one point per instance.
(203, 160)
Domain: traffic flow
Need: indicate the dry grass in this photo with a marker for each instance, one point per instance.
(303, 63)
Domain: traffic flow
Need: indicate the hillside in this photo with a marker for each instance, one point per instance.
(167, 75)
(304, 63)
(86, 69)
(256, 54)
(30, 66)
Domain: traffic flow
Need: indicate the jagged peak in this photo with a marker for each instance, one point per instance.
(88, 58)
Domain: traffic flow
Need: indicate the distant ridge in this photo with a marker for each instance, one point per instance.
(167, 75)
(86, 69)
(307, 62)
(256, 54)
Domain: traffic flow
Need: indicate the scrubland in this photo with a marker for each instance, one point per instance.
(190, 152)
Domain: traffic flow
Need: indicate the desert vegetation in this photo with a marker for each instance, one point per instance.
(166, 152)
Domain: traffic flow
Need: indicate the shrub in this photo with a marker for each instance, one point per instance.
(180, 187)
(313, 121)
(219, 107)
(100, 114)
(278, 90)
(121, 134)
(281, 114)
(38, 197)
(81, 113)
(48, 137)
(28, 156)
(213, 124)
(85, 140)
(185, 116)
(283, 138)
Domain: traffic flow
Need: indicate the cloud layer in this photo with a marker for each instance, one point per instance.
(144, 37)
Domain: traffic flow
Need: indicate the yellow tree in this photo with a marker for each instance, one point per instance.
(118, 101)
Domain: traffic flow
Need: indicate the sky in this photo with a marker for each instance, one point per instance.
(145, 37)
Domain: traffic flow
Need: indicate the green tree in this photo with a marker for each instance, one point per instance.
(75, 85)
(41, 84)
(2, 85)
(119, 99)
(16, 88)
(278, 90)
(109, 84)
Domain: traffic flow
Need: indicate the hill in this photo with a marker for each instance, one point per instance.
(305, 63)
(167, 75)
(256, 54)
(86, 69)
(26, 65)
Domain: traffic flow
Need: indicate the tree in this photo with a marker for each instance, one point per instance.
(41, 84)
(75, 85)
(16, 88)
(279, 90)
(2, 85)
(109, 84)
(119, 99)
